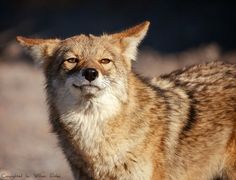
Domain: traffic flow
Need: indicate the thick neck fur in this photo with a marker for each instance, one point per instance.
(88, 119)
(106, 129)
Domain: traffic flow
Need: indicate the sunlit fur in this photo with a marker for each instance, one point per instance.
(179, 126)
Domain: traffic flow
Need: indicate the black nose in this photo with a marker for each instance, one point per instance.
(90, 74)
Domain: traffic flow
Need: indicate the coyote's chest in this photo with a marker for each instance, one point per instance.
(97, 153)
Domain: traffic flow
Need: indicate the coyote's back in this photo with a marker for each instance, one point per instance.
(208, 134)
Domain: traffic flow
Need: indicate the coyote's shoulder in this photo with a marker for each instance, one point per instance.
(202, 117)
(209, 88)
(112, 124)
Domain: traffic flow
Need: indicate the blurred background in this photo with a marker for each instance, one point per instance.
(182, 33)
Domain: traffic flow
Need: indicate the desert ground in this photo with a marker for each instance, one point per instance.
(28, 149)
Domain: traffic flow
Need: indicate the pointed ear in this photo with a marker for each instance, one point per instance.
(129, 39)
(40, 49)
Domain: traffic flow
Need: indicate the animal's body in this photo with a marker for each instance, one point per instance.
(112, 124)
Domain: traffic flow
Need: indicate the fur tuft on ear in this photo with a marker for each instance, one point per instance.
(40, 49)
(129, 39)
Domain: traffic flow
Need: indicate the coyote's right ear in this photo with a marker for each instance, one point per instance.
(129, 39)
(41, 49)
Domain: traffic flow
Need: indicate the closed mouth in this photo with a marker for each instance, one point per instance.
(85, 86)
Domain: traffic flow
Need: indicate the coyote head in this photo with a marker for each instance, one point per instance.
(85, 68)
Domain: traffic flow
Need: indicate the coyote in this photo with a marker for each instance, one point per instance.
(113, 124)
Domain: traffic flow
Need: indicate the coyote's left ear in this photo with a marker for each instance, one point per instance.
(130, 39)
(40, 49)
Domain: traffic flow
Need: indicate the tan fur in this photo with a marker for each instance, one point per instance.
(179, 126)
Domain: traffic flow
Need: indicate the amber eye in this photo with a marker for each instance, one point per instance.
(105, 61)
(70, 63)
(72, 60)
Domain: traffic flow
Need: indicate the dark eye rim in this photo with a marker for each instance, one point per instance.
(105, 61)
(72, 60)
